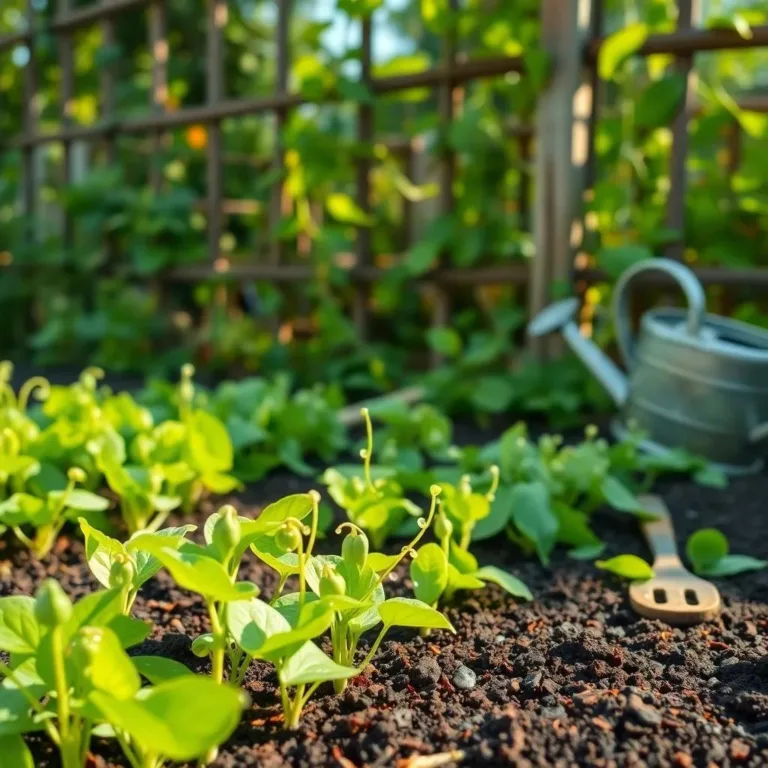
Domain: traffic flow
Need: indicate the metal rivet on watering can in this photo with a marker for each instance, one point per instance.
(695, 381)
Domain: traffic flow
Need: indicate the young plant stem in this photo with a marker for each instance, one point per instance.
(50, 729)
(69, 733)
(280, 587)
(219, 643)
(375, 647)
(367, 452)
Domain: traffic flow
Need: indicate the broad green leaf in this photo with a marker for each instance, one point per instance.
(20, 508)
(406, 612)
(620, 497)
(445, 340)
(379, 562)
(705, 547)
(19, 629)
(199, 573)
(493, 394)
(344, 209)
(158, 669)
(130, 631)
(181, 719)
(505, 580)
(498, 517)
(219, 483)
(711, 477)
(464, 560)
(458, 580)
(209, 443)
(616, 259)
(731, 565)
(533, 516)
(251, 622)
(14, 753)
(147, 565)
(574, 529)
(587, 552)
(617, 48)
(310, 665)
(315, 617)
(660, 101)
(298, 505)
(100, 551)
(109, 668)
(85, 501)
(627, 566)
(429, 573)
(15, 713)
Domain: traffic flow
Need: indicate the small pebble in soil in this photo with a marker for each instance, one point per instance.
(464, 678)
(499, 639)
(425, 673)
(642, 713)
(532, 681)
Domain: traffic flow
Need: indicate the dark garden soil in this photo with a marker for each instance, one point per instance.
(574, 678)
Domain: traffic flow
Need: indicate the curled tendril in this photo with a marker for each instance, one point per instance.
(38, 385)
(6, 370)
(409, 550)
(7, 395)
(314, 495)
(352, 527)
(491, 495)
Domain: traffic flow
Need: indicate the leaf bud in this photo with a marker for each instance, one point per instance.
(52, 606)
(331, 582)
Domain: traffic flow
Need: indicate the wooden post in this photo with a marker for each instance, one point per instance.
(441, 307)
(284, 10)
(65, 50)
(561, 154)
(365, 128)
(158, 46)
(687, 14)
(108, 88)
(29, 173)
(217, 19)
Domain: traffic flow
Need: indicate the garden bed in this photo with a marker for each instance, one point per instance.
(574, 677)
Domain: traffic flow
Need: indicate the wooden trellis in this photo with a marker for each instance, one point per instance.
(562, 139)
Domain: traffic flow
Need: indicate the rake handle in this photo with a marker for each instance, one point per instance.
(660, 533)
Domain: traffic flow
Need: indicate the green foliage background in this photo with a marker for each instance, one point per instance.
(100, 299)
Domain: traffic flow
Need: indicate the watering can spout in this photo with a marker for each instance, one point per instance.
(560, 317)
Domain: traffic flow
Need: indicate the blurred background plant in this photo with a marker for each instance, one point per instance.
(102, 298)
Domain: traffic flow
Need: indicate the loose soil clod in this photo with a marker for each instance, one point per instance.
(575, 678)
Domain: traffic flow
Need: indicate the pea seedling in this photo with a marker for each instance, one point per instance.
(69, 675)
(48, 515)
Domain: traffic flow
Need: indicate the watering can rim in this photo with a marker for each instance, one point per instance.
(758, 353)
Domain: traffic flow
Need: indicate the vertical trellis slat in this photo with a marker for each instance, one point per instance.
(560, 154)
(365, 128)
(158, 46)
(284, 9)
(439, 297)
(217, 19)
(30, 127)
(108, 86)
(687, 14)
(65, 43)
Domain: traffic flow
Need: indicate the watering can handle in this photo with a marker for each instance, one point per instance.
(683, 276)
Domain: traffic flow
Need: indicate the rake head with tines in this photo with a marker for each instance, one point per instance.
(674, 594)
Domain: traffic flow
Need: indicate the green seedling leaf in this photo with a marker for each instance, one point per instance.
(464, 560)
(209, 443)
(660, 101)
(533, 516)
(106, 667)
(617, 48)
(458, 580)
(100, 551)
(199, 573)
(587, 552)
(310, 665)
(711, 477)
(731, 565)
(85, 501)
(158, 669)
(617, 495)
(298, 505)
(406, 612)
(181, 719)
(706, 547)
(14, 753)
(735, 21)
(252, 622)
(628, 567)
(15, 714)
(498, 518)
(130, 631)
(147, 565)
(429, 573)
(19, 629)
(505, 580)
(379, 562)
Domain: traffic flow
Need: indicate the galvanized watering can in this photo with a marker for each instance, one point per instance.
(695, 381)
